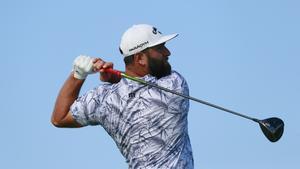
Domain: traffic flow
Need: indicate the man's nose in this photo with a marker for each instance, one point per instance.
(166, 52)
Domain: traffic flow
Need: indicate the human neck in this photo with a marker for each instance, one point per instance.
(135, 72)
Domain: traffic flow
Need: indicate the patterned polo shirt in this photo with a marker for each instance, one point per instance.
(149, 126)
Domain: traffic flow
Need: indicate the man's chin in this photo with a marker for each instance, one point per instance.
(159, 68)
(162, 73)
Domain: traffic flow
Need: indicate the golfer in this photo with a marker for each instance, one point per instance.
(149, 126)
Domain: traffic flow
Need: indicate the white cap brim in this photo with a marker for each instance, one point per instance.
(164, 39)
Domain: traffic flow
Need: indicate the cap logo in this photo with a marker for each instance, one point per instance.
(154, 31)
(139, 46)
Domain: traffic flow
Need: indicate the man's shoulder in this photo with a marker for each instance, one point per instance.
(106, 87)
(174, 76)
(172, 81)
(101, 89)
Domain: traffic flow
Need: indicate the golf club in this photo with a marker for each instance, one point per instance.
(271, 127)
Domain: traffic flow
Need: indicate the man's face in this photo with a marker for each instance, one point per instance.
(158, 61)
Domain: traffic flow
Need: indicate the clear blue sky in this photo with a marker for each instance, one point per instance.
(243, 55)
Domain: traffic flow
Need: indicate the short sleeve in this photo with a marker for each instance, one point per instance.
(175, 82)
(180, 84)
(84, 108)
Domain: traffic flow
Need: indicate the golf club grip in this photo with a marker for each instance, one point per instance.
(115, 72)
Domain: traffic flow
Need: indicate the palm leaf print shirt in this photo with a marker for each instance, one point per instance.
(149, 126)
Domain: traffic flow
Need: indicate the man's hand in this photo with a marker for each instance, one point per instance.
(85, 65)
(100, 66)
(82, 66)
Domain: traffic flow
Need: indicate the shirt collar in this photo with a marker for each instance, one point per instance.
(147, 78)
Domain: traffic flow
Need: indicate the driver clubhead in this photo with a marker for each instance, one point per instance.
(272, 128)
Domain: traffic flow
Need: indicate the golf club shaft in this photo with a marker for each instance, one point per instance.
(121, 74)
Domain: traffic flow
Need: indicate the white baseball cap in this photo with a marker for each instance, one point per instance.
(140, 37)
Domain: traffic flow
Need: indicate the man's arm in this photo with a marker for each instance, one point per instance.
(61, 116)
(82, 66)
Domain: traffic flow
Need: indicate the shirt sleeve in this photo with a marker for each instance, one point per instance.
(180, 84)
(175, 82)
(84, 109)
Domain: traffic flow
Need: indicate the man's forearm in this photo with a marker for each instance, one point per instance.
(67, 95)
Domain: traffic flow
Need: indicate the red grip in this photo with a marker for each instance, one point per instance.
(115, 72)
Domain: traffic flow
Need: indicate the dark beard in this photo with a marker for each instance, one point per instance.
(159, 67)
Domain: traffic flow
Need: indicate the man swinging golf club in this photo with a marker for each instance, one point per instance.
(149, 125)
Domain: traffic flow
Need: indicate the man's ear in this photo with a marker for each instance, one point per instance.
(140, 58)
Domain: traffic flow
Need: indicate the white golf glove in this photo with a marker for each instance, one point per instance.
(82, 66)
